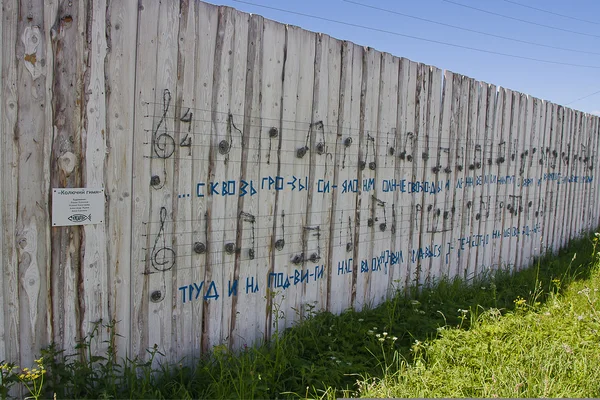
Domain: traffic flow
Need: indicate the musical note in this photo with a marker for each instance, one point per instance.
(514, 207)
(501, 153)
(403, 156)
(280, 243)
(460, 158)
(483, 212)
(476, 159)
(553, 158)
(513, 154)
(163, 258)
(434, 216)
(443, 152)
(247, 217)
(310, 232)
(163, 144)
(377, 205)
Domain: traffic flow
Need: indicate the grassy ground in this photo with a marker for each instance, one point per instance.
(529, 334)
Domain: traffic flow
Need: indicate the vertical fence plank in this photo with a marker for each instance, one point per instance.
(273, 218)
(438, 224)
(342, 280)
(521, 203)
(120, 75)
(485, 209)
(185, 339)
(33, 146)
(321, 180)
(382, 197)
(163, 258)
(146, 95)
(432, 186)
(468, 164)
(67, 167)
(292, 180)
(549, 161)
(253, 240)
(478, 240)
(94, 261)
(9, 174)
(206, 37)
(407, 167)
(224, 164)
(448, 163)
(459, 142)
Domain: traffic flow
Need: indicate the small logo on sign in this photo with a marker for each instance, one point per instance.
(80, 217)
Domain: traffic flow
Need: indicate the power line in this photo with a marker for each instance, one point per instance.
(581, 98)
(419, 38)
(551, 12)
(520, 20)
(470, 30)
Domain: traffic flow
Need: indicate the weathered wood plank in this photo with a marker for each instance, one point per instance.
(470, 141)
(382, 206)
(94, 271)
(408, 149)
(120, 105)
(549, 160)
(224, 166)
(438, 220)
(322, 144)
(272, 223)
(366, 174)
(207, 21)
(459, 143)
(185, 341)
(254, 239)
(66, 166)
(33, 143)
(521, 205)
(343, 266)
(476, 241)
(10, 349)
(142, 239)
(297, 125)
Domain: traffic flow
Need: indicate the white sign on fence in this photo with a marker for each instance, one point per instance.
(77, 206)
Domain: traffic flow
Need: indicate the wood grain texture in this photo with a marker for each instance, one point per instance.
(10, 349)
(120, 108)
(94, 273)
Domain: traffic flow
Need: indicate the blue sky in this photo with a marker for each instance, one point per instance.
(561, 84)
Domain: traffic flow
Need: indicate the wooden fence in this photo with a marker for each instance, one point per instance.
(252, 170)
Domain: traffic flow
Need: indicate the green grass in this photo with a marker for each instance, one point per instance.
(531, 333)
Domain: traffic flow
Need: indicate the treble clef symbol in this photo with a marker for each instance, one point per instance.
(163, 258)
(164, 144)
